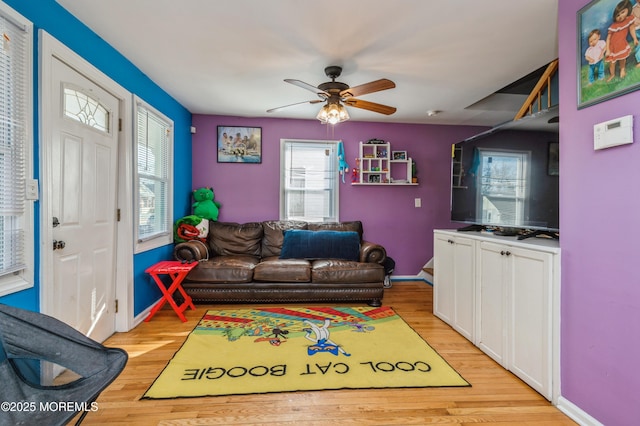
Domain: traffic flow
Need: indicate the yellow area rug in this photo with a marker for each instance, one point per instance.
(260, 350)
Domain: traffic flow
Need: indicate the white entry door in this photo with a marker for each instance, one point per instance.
(83, 179)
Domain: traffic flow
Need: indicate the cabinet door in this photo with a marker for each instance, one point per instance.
(491, 329)
(530, 318)
(454, 282)
(443, 277)
(464, 287)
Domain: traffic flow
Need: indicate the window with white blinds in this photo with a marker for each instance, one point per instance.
(309, 180)
(16, 212)
(154, 177)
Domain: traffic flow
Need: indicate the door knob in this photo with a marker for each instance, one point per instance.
(58, 245)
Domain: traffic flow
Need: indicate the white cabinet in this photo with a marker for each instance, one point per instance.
(530, 318)
(491, 307)
(516, 311)
(454, 295)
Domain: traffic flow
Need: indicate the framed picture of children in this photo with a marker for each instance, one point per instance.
(239, 144)
(608, 50)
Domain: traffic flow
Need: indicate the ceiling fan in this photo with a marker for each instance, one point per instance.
(337, 94)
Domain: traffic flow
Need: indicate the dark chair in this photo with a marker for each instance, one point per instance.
(26, 340)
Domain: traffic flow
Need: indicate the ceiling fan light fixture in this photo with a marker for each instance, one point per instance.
(336, 95)
(333, 113)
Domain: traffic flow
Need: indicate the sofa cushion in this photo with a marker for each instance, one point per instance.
(305, 244)
(283, 270)
(354, 225)
(227, 238)
(224, 269)
(274, 235)
(342, 271)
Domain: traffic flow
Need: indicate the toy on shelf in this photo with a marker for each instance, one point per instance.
(342, 162)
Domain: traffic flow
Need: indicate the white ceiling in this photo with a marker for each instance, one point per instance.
(230, 57)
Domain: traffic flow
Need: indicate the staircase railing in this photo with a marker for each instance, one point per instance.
(535, 98)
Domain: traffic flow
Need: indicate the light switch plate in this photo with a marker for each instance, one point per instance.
(31, 191)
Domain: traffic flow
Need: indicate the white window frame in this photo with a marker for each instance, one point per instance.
(165, 237)
(284, 175)
(23, 279)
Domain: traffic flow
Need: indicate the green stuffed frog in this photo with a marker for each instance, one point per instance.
(204, 206)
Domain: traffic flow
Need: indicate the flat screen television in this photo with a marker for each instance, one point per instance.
(506, 179)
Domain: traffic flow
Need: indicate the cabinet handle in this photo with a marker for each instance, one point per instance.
(450, 241)
(505, 253)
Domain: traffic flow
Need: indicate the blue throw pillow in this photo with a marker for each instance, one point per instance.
(305, 244)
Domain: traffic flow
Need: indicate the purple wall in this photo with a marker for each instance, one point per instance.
(249, 192)
(599, 217)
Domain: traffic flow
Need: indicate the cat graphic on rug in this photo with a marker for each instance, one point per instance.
(321, 339)
(276, 338)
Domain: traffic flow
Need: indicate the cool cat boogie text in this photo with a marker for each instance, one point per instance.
(214, 373)
(51, 406)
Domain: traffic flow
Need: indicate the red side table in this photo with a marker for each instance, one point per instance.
(177, 271)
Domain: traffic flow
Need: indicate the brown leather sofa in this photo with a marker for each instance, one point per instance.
(241, 263)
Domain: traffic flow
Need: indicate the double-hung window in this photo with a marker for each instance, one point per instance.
(153, 178)
(16, 211)
(309, 180)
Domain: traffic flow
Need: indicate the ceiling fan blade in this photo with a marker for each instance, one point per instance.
(371, 106)
(363, 89)
(307, 86)
(315, 101)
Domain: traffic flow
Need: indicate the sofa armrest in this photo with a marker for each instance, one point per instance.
(193, 250)
(372, 252)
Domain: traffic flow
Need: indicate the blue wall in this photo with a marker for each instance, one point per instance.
(51, 17)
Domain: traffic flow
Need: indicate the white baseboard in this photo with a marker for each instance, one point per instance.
(139, 319)
(420, 277)
(576, 413)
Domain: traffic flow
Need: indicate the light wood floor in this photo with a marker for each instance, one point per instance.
(495, 397)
